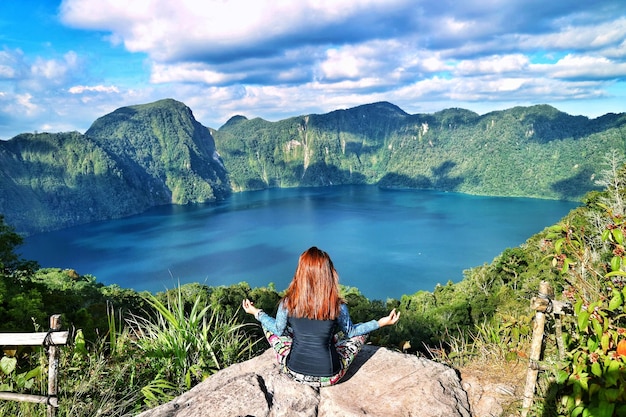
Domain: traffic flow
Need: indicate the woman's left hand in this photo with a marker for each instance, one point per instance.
(392, 318)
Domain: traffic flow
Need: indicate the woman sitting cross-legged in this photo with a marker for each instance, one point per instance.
(304, 332)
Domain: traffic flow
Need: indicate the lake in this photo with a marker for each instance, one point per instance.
(384, 242)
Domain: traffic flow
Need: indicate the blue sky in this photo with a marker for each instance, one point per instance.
(65, 63)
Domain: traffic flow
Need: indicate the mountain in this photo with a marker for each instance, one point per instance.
(164, 143)
(533, 151)
(141, 156)
(128, 161)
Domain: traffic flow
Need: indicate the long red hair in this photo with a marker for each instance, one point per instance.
(314, 289)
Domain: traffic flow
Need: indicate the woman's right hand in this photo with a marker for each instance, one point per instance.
(392, 318)
(249, 307)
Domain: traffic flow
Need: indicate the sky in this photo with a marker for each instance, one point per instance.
(65, 63)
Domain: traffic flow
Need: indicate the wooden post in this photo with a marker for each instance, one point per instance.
(53, 367)
(540, 304)
(558, 331)
(50, 340)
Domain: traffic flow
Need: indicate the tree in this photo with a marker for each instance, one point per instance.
(510, 264)
(10, 261)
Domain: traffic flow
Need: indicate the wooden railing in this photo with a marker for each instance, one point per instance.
(544, 304)
(50, 340)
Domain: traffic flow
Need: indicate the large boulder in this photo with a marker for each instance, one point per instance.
(380, 382)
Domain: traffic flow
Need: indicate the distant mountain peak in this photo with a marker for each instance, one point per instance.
(235, 119)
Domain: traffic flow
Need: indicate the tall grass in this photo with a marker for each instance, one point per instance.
(495, 343)
(187, 343)
(143, 360)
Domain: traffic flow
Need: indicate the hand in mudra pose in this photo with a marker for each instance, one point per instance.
(389, 320)
(249, 307)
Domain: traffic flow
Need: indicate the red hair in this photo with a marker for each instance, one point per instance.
(314, 290)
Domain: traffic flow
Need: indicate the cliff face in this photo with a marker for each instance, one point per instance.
(164, 141)
(380, 383)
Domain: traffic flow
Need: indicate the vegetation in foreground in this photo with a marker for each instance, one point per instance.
(132, 351)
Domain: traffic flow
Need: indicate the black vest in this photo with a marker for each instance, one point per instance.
(312, 351)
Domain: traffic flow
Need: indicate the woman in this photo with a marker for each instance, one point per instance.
(303, 332)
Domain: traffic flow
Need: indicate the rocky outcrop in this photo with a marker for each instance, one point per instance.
(380, 382)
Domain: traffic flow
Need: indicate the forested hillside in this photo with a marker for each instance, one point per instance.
(141, 156)
(525, 151)
(128, 161)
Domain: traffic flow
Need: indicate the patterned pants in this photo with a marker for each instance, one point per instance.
(346, 348)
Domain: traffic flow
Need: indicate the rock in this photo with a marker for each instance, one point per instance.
(494, 392)
(380, 382)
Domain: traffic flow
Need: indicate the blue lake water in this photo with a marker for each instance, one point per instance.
(385, 242)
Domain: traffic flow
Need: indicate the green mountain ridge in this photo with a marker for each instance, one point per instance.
(533, 151)
(141, 156)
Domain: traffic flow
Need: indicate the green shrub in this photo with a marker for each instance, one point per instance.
(592, 259)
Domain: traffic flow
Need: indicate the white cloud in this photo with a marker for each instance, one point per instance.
(7, 71)
(496, 64)
(52, 69)
(11, 64)
(169, 30)
(80, 89)
(434, 64)
(340, 65)
(47, 74)
(589, 36)
(24, 101)
(189, 72)
(586, 67)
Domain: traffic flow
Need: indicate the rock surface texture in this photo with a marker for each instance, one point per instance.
(380, 382)
(495, 392)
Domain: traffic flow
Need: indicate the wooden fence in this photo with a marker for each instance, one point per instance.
(50, 340)
(544, 304)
